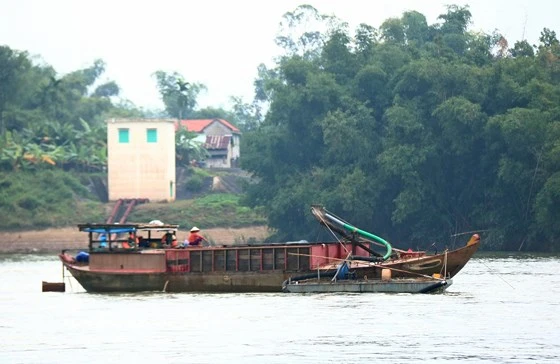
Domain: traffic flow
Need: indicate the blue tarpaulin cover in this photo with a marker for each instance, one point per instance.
(342, 272)
(82, 257)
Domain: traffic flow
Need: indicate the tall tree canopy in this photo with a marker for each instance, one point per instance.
(178, 95)
(420, 133)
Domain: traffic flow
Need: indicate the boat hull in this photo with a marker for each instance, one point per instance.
(378, 286)
(178, 282)
(243, 269)
(447, 264)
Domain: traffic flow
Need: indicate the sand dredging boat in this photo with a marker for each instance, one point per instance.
(115, 263)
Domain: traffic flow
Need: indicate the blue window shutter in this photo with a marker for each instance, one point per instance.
(151, 135)
(123, 135)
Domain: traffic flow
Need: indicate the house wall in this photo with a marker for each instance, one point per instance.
(217, 128)
(139, 169)
(225, 158)
(234, 150)
(231, 159)
(218, 159)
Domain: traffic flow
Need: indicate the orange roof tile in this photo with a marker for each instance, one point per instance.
(198, 125)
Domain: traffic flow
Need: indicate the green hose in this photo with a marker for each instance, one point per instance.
(373, 237)
(364, 233)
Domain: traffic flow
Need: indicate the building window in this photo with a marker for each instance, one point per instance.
(151, 135)
(123, 135)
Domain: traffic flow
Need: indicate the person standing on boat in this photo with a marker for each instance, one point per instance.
(195, 238)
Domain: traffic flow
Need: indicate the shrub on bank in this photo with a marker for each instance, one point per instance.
(54, 198)
(45, 198)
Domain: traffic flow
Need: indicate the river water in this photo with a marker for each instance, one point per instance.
(500, 309)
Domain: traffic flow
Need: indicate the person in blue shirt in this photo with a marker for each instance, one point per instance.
(103, 240)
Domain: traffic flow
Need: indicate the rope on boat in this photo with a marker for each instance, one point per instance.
(469, 232)
(445, 264)
(370, 265)
(332, 232)
(67, 277)
(70, 283)
(499, 276)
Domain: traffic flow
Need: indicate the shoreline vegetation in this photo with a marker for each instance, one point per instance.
(54, 240)
(417, 130)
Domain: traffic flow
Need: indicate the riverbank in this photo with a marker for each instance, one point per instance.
(55, 240)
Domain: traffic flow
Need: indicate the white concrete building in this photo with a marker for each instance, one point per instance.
(141, 159)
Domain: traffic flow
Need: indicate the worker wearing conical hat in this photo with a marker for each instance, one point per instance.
(195, 238)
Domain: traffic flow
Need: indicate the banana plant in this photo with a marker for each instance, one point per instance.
(187, 148)
(12, 151)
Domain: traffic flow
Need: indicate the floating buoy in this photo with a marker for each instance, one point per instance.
(54, 286)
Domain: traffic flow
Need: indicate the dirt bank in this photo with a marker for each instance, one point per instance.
(54, 240)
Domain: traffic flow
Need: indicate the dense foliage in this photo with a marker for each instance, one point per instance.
(47, 198)
(416, 132)
(46, 120)
(50, 126)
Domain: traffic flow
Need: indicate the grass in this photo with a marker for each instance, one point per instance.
(214, 210)
(46, 198)
(54, 198)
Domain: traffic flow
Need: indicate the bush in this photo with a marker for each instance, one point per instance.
(54, 198)
(45, 198)
(28, 203)
(195, 183)
(214, 210)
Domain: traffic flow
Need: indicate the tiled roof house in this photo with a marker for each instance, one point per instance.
(222, 140)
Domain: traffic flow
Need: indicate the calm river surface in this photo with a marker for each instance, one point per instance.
(500, 309)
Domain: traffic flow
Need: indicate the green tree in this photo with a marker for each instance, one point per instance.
(392, 31)
(427, 133)
(54, 121)
(246, 116)
(12, 66)
(178, 96)
(187, 148)
(522, 49)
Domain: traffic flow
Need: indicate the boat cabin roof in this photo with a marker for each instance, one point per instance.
(123, 228)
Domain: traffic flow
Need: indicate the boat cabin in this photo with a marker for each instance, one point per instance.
(115, 243)
(127, 237)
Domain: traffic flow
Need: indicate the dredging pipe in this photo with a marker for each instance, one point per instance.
(354, 229)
